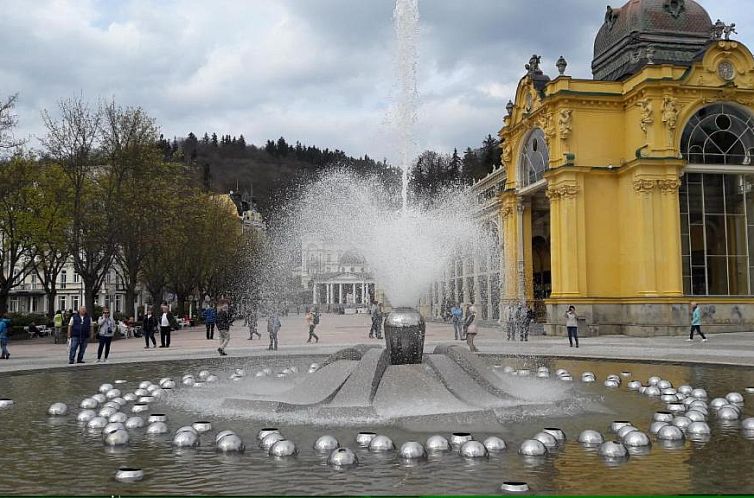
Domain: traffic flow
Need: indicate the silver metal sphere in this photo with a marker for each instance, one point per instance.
(664, 384)
(113, 393)
(636, 439)
(113, 426)
(222, 434)
(202, 426)
(474, 449)
(270, 440)
(134, 423)
(688, 400)
(6, 403)
(235, 378)
(326, 443)
(734, 397)
(187, 428)
(514, 487)
(130, 397)
(139, 407)
(184, 439)
(263, 433)
(204, 374)
(669, 398)
(611, 384)
(157, 417)
(212, 378)
(141, 392)
(523, 372)
(129, 474)
(698, 404)
(283, 448)
(230, 443)
(662, 417)
(652, 391)
(614, 377)
(698, 428)
(547, 439)
(747, 424)
(88, 403)
(458, 438)
(119, 401)
(240, 372)
(164, 379)
(590, 437)
(159, 393)
(118, 417)
(381, 443)
(668, 390)
(681, 422)
(411, 450)
(86, 415)
(188, 381)
(727, 412)
(695, 416)
(144, 384)
(342, 457)
(566, 378)
(634, 385)
(99, 397)
(152, 388)
(676, 408)
(561, 372)
(655, 426)
(588, 374)
(97, 423)
(120, 381)
(57, 409)
(653, 380)
(105, 387)
(699, 393)
(198, 384)
(685, 389)
(716, 403)
(313, 367)
(437, 443)
(642, 389)
(750, 390)
(112, 404)
(168, 384)
(495, 444)
(670, 433)
(625, 430)
(532, 447)
(157, 428)
(543, 375)
(613, 450)
(616, 425)
(146, 399)
(118, 437)
(588, 377)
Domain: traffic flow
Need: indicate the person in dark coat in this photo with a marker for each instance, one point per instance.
(224, 321)
(149, 327)
(167, 323)
(79, 329)
(210, 317)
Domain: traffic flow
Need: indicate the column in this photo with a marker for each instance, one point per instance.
(340, 293)
(520, 248)
(314, 293)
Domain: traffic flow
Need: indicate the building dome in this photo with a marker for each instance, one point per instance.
(649, 31)
(351, 258)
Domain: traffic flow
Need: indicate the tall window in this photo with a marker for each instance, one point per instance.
(75, 303)
(63, 279)
(535, 158)
(62, 303)
(719, 134)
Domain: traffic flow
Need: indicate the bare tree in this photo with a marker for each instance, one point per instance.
(8, 121)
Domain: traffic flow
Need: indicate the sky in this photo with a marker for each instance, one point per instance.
(318, 71)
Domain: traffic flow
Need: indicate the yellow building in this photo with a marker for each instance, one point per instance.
(630, 195)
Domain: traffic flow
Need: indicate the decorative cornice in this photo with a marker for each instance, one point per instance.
(506, 211)
(555, 192)
(664, 185)
(643, 185)
(669, 186)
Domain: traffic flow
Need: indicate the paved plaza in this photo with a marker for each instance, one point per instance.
(338, 331)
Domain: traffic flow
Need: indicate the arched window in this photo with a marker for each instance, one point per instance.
(719, 134)
(535, 158)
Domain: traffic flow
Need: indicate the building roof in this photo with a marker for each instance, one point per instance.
(649, 32)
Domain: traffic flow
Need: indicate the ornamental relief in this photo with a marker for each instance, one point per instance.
(506, 211)
(565, 123)
(646, 118)
(669, 186)
(555, 192)
(643, 185)
(670, 111)
(664, 185)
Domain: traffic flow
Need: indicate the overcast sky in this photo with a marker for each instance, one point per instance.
(318, 71)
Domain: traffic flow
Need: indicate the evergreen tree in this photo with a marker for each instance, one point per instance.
(214, 140)
(205, 138)
(470, 165)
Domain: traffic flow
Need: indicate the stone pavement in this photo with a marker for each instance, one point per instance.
(338, 331)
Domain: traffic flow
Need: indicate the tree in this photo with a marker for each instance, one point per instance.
(470, 165)
(213, 140)
(8, 121)
(455, 166)
(490, 156)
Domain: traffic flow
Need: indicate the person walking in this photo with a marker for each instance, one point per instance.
(105, 333)
(471, 327)
(377, 318)
(210, 318)
(309, 319)
(79, 328)
(696, 323)
(4, 336)
(57, 322)
(572, 325)
(251, 322)
(224, 321)
(510, 323)
(273, 327)
(149, 327)
(167, 325)
(456, 314)
(528, 318)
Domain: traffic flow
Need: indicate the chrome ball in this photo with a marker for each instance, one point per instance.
(566, 378)
(458, 438)
(717, 403)
(747, 424)
(86, 415)
(118, 437)
(633, 385)
(699, 393)
(139, 407)
(543, 375)
(342, 457)
(494, 444)
(230, 443)
(204, 374)
(616, 425)
(685, 389)
(107, 411)
(523, 372)
(676, 408)
(546, 439)
(129, 474)
(97, 423)
(664, 384)
(212, 378)
(326, 443)
(6, 403)
(112, 404)
(473, 449)
(157, 428)
(614, 377)
(188, 381)
(157, 417)
(698, 429)
(118, 417)
(99, 397)
(514, 487)
(364, 438)
(119, 401)
(670, 433)
(144, 384)
(625, 430)
(734, 397)
(283, 448)
(652, 391)
(668, 398)
(134, 423)
(668, 390)
(411, 450)
(590, 437)
(381, 443)
(652, 381)
(611, 384)
(141, 392)
(698, 404)
(655, 426)
(613, 449)
(727, 412)
(636, 439)
(240, 372)
(113, 393)
(269, 441)
(183, 439)
(437, 443)
(695, 416)
(187, 428)
(750, 390)
(222, 434)
(57, 409)
(168, 384)
(559, 372)
(146, 399)
(130, 397)
(202, 426)
(152, 388)
(313, 367)
(532, 447)
(104, 388)
(662, 417)
(120, 381)
(588, 378)
(681, 422)
(113, 426)
(88, 403)
(263, 433)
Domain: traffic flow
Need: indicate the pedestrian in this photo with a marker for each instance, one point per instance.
(273, 327)
(466, 315)
(471, 327)
(4, 335)
(251, 322)
(105, 333)
(456, 314)
(572, 325)
(309, 319)
(528, 319)
(79, 328)
(510, 323)
(210, 317)
(696, 323)
(377, 319)
(57, 322)
(149, 327)
(167, 325)
(224, 321)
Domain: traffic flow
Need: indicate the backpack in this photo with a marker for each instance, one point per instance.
(316, 318)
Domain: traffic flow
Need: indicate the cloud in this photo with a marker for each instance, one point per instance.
(318, 71)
